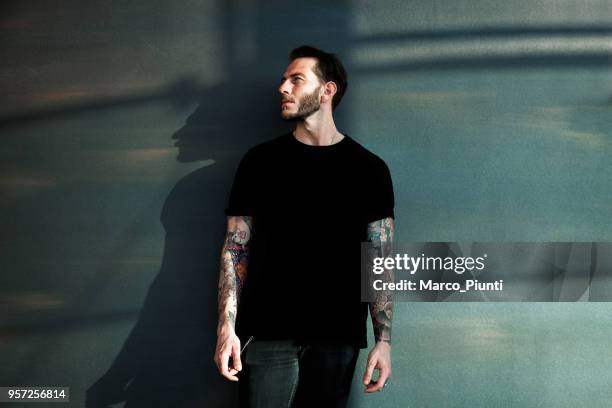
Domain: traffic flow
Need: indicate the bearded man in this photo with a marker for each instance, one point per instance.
(289, 285)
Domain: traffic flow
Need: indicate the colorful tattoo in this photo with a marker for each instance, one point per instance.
(380, 234)
(234, 262)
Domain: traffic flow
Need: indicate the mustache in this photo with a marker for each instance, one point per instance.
(287, 100)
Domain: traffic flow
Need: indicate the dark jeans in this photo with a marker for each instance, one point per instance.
(281, 374)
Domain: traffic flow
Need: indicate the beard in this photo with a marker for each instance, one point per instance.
(308, 105)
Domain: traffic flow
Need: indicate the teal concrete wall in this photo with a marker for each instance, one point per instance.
(122, 124)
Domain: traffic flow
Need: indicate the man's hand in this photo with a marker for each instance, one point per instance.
(379, 359)
(232, 275)
(228, 346)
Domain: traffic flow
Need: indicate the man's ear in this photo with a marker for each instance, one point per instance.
(329, 90)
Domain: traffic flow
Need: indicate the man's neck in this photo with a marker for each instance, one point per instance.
(317, 132)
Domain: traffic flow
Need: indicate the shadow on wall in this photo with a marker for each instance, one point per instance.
(167, 359)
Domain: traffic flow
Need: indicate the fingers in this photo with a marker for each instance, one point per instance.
(379, 384)
(236, 362)
(223, 365)
(376, 362)
(367, 377)
(222, 357)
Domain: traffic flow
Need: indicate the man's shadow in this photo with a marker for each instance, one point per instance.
(167, 360)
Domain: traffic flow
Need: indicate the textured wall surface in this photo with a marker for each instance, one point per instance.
(121, 125)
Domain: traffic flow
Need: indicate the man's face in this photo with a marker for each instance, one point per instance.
(300, 90)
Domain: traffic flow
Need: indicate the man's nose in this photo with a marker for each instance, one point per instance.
(283, 88)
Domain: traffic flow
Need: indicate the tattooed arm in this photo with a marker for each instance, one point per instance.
(232, 275)
(380, 234)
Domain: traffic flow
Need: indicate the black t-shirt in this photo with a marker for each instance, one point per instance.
(310, 206)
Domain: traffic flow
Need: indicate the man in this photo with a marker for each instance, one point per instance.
(300, 206)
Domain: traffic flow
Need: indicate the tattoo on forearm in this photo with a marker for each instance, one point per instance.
(233, 271)
(380, 234)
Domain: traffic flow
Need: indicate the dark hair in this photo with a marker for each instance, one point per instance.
(328, 68)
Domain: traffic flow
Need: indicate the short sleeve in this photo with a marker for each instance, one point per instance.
(242, 198)
(380, 200)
